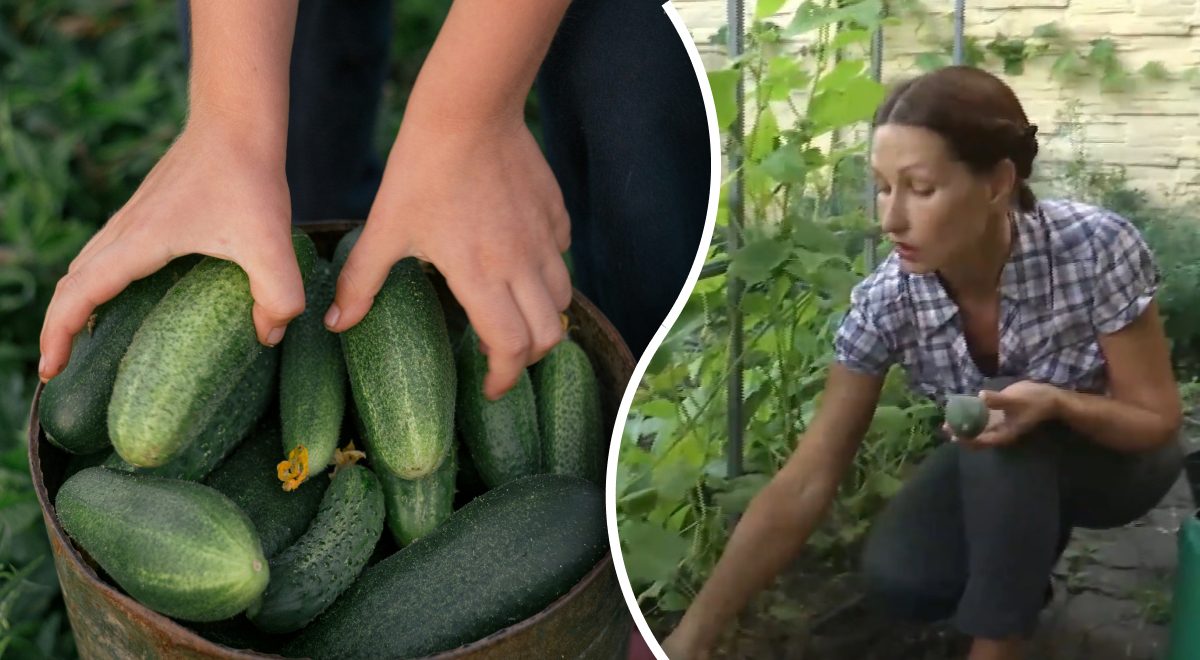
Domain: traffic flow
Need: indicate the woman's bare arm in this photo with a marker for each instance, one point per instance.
(781, 517)
(1143, 409)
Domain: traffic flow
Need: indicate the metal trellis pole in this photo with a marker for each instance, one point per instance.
(960, 11)
(872, 210)
(735, 9)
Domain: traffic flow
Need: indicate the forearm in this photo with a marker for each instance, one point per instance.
(1113, 423)
(241, 55)
(484, 62)
(768, 537)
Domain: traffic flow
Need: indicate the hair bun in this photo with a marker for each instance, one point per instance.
(1025, 151)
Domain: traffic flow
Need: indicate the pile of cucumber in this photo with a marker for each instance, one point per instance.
(350, 495)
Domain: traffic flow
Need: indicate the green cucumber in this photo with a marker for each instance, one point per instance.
(249, 478)
(237, 417)
(401, 370)
(415, 507)
(312, 377)
(191, 350)
(73, 409)
(502, 435)
(568, 402)
(967, 415)
(178, 547)
(310, 574)
(497, 561)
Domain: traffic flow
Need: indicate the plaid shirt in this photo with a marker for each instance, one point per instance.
(1075, 272)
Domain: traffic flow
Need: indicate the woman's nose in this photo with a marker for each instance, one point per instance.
(891, 217)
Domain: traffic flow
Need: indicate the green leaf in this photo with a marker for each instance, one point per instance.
(1014, 67)
(810, 16)
(1103, 51)
(1155, 70)
(884, 484)
(765, 8)
(816, 237)
(724, 90)
(854, 102)
(841, 75)
(1115, 80)
(755, 262)
(651, 553)
(638, 503)
(786, 164)
(1068, 65)
(765, 134)
(784, 76)
(890, 420)
(736, 496)
(931, 61)
(673, 601)
(1047, 31)
(756, 306)
(660, 408)
(17, 288)
(850, 37)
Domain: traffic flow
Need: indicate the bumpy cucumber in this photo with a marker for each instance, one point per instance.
(178, 547)
(568, 403)
(498, 560)
(237, 417)
(415, 507)
(191, 350)
(313, 572)
(967, 415)
(312, 378)
(401, 370)
(73, 409)
(501, 435)
(249, 478)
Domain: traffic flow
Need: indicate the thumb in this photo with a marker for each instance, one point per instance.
(997, 400)
(366, 268)
(277, 288)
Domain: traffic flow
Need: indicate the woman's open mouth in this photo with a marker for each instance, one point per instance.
(906, 251)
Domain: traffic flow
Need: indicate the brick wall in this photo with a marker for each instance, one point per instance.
(1152, 130)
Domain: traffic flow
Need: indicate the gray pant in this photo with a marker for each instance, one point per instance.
(974, 534)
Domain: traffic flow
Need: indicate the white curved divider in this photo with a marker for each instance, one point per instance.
(639, 371)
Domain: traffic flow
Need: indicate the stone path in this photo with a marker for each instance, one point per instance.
(1113, 588)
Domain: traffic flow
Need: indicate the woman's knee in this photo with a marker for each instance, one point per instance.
(894, 584)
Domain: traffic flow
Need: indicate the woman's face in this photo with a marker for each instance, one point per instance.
(931, 206)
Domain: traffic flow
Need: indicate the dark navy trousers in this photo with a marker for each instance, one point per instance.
(623, 126)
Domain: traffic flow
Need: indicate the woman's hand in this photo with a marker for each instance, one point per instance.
(212, 193)
(482, 205)
(679, 646)
(1013, 412)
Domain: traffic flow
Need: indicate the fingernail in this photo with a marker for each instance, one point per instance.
(332, 316)
(42, 369)
(275, 336)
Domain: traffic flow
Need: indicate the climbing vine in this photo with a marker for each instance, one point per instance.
(1071, 61)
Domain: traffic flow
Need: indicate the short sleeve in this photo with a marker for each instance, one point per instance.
(1127, 275)
(860, 344)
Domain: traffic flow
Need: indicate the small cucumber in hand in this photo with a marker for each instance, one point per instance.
(966, 415)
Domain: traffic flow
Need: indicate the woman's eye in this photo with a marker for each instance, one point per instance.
(922, 192)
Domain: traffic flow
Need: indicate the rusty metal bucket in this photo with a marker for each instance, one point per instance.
(590, 621)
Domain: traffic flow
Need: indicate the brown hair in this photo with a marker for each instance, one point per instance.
(977, 114)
